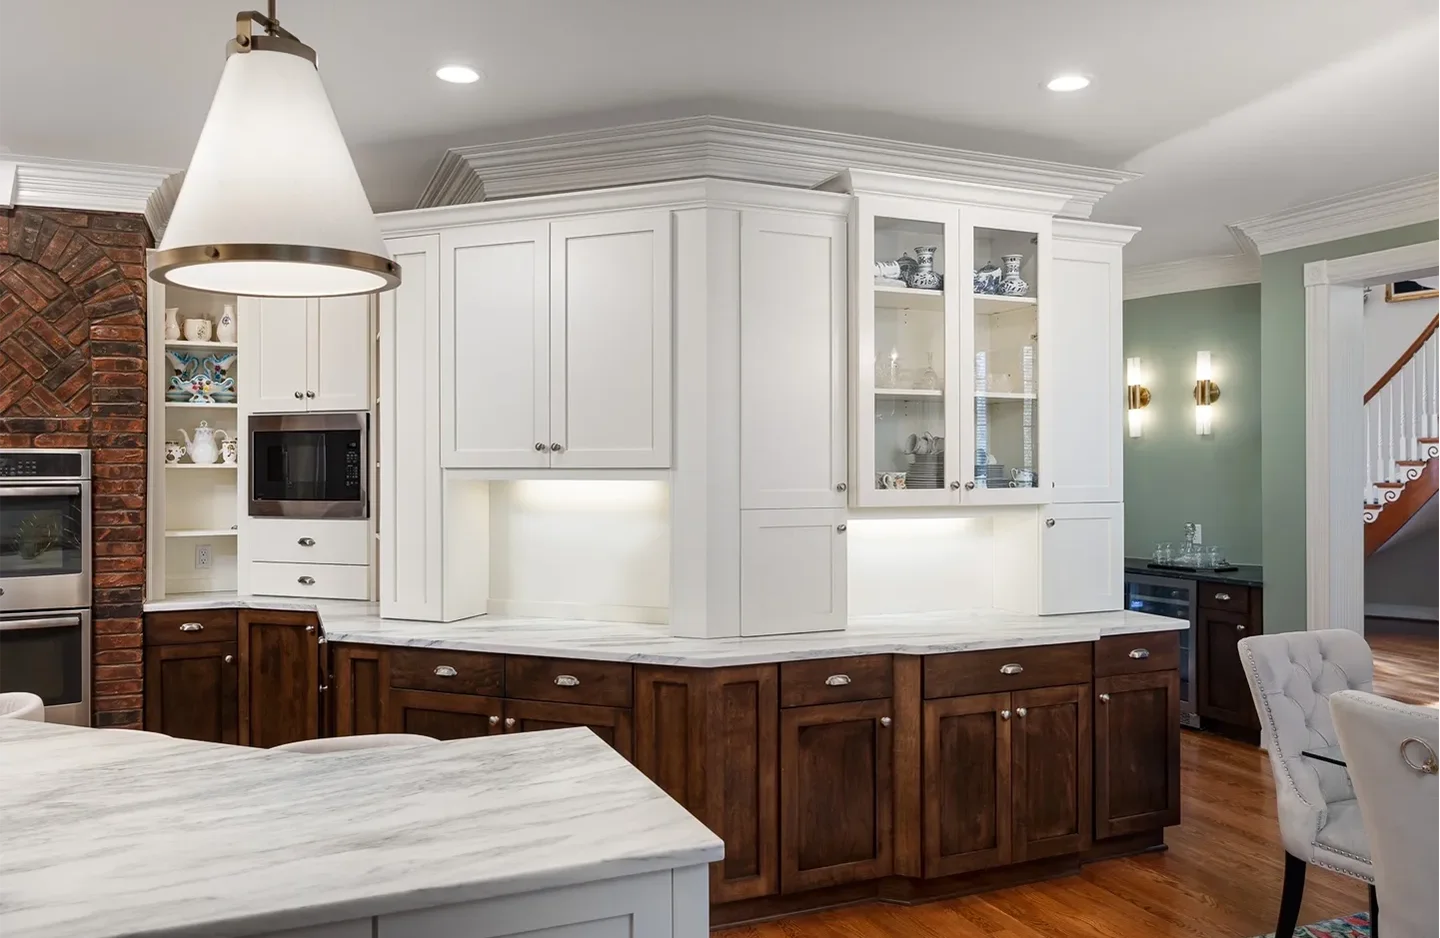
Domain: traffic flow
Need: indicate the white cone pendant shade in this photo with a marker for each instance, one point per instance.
(271, 204)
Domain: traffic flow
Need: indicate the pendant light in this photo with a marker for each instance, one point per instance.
(271, 204)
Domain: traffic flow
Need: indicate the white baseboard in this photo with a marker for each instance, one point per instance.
(1387, 611)
(513, 608)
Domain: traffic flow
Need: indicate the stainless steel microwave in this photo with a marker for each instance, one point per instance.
(310, 465)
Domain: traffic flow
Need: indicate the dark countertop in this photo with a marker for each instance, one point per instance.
(1249, 574)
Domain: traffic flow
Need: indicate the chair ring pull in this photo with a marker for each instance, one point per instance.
(1426, 766)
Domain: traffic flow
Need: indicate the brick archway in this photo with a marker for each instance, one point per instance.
(73, 374)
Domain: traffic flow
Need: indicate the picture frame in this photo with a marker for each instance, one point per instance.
(1418, 289)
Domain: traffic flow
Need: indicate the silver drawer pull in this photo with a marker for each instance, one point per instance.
(1011, 668)
(191, 627)
(1223, 597)
(1139, 654)
(306, 542)
(305, 580)
(566, 680)
(837, 680)
(444, 670)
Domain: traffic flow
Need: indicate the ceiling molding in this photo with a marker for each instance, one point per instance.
(1074, 229)
(1195, 273)
(728, 148)
(1357, 213)
(93, 187)
(1404, 262)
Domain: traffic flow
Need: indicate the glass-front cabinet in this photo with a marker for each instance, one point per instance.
(947, 369)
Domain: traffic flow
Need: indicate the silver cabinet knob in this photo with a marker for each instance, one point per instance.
(566, 680)
(323, 688)
(955, 485)
(310, 394)
(310, 629)
(555, 447)
(1011, 668)
(1139, 654)
(509, 722)
(837, 680)
(1004, 714)
(299, 395)
(305, 580)
(885, 721)
(841, 486)
(444, 670)
(840, 527)
(1104, 698)
(539, 447)
(494, 721)
(1240, 629)
(1049, 522)
(969, 485)
(1020, 712)
(1223, 597)
(229, 659)
(191, 626)
(306, 542)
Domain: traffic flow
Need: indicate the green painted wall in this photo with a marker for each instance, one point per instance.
(1282, 413)
(1172, 475)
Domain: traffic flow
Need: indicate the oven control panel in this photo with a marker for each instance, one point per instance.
(43, 464)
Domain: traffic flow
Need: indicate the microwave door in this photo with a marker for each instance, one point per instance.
(305, 467)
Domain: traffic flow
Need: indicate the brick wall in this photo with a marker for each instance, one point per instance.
(72, 374)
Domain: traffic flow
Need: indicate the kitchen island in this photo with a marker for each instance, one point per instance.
(111, 833)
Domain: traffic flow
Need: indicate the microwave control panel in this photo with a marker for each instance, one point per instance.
(352, 466)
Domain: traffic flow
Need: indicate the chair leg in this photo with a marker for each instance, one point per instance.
(1293, 890)
(1374, 914)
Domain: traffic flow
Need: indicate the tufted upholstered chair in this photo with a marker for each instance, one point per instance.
(351, 743)
(1292, 675)
(1390, 749)
(19, 705)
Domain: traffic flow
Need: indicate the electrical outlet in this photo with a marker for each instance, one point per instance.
(202, 556)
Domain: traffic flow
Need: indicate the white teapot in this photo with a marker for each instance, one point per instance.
(202, 449)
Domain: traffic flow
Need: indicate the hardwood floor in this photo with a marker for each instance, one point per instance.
(1220, 877)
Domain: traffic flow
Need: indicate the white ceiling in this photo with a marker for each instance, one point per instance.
(1233, 108)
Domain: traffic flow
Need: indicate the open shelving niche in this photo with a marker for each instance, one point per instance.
(192, 505)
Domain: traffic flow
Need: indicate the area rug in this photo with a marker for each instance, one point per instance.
(1351, 926)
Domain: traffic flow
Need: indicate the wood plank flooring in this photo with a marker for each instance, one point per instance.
(1220, 877)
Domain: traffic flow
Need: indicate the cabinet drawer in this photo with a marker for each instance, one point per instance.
(305, 540)
(454, 672)
(321, 581)
(834, 680)
(1134, 654)
(601, 683)
(1226, 596)
(189, 628)
(986, 672)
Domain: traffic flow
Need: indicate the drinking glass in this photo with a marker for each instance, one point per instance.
(1164, 553)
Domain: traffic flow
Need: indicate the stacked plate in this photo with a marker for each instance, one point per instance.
(925, 472)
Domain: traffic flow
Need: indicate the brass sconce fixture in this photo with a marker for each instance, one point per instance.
(1137, 397)
(1207, 392)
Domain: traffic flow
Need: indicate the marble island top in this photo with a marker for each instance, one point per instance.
(105, 833)
(639, 643)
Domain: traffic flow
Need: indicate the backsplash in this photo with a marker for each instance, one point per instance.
(73, 375)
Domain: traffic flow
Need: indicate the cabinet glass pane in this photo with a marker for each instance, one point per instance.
(1006, 359)
(909, 361)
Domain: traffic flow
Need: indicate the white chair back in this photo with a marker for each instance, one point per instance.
(1399, 796)
(19, 705)
(350, 743)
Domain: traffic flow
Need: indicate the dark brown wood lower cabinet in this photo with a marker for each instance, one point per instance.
(443, 716)
(966, 788)
(1050, 747)
(358, 684)
(1224, 693)
(612, 724)
(1137, 753)
(193, 691)
(281, 676)
(836, 807)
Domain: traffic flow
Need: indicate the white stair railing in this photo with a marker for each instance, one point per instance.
(1401, 411)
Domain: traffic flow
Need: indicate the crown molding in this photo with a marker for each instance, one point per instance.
(1380, 208)
(728, 148)
(1074, 229)
(1194, 273)
(94, 187)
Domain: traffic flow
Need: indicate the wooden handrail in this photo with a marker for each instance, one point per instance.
(1404, 359)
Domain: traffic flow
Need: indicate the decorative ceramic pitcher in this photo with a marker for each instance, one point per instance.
(202, 449)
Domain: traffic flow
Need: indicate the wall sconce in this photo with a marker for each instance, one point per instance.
(1207, 392)
(1137, 397)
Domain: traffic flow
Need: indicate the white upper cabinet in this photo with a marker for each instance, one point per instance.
(495, 357)
(1082, 550)
(307, 354)
(610, 308)
(792, 361)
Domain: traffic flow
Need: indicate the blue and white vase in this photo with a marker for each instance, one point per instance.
(987, 279)
(924, 276)
(1011, 283)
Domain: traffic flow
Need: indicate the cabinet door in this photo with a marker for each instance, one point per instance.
(1050, 747)
(273, 362)
(836, 802)
(358, 679)
(192, 691)
(612, 724)
(1082, 409)
(280, 677)
(1082, 558)
(495, 346)
(792, 571)
(443, 716)
(1224, 692)
(339, 353)
(1137, 753)
(610, 310)
(792, 361)
(966, 783)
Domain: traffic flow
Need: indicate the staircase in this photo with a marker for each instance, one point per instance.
(1402, 423)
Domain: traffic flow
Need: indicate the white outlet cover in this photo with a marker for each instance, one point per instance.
(202, 556)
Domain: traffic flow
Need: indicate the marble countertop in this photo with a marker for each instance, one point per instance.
(915, 634)
(114, 832)
(1244, 574)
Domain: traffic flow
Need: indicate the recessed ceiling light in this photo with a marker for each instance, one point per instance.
(457, 74)
(1067, 83)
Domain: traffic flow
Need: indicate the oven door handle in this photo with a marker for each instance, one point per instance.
(44, 622)
(29, 491)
